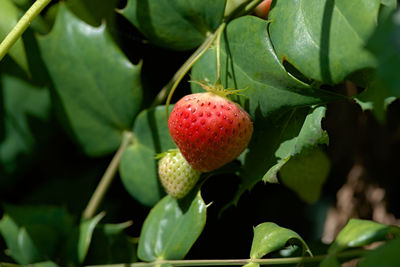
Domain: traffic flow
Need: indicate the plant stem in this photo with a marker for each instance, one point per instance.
(232, 262)
(173, 83)
(107, 178)
(169, 89)
(21, 26)
(218, 45)
(202, 49)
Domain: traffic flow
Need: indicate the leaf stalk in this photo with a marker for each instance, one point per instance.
(232, 262)
(107, 178)
(21, 26)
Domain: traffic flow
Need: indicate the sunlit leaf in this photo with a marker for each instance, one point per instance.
(171, 228)
(324, 39)
(359, 233)
(269, 237)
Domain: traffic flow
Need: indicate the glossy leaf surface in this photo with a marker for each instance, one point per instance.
(359, 233)
(100, 92)
(268, 87)
(175, 24)
(138, 167)
(275, 99)
(9, 15)
(171, 228)
(269, 237)
(325, 39)
(86, 229)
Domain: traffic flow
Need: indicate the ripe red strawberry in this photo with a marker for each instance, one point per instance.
(209, 129)
(176, 175)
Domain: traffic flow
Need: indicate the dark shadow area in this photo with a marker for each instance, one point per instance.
(185, 203)
(2, 113)
(295, 72)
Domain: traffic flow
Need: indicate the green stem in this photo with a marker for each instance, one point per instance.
(21, 26)
(107, 178)
(232, 262)
(178, 76)
(218, 44)
(168, 90)
(193, 59)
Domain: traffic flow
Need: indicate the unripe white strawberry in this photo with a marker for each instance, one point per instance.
(176, 175)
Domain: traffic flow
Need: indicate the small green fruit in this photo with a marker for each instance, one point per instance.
(176, 175)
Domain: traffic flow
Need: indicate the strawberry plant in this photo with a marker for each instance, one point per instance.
(199, 133)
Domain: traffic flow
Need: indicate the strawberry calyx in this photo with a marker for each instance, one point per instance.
(219, 89)
(172, 152)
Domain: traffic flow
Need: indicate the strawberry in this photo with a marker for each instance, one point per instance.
(176, 175)
(209, 129)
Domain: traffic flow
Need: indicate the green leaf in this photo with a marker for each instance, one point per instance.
(269, 237)
(32, 233)
(386, 255)
(291, 138)
(78, 242)
(324, 39)
(268, 87)
(376, 98)
(309, 136)
(303, 166)
(110, 245)
(86, 229)
(387, 7)
(385, 46)
(171, 228)
(100, 92)
(175, 24)
(138, 167)
(26, 109)
(275, 99)
(9, 15)
(93, 11)
(359, 233)
(306, 173)
(20, 245)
